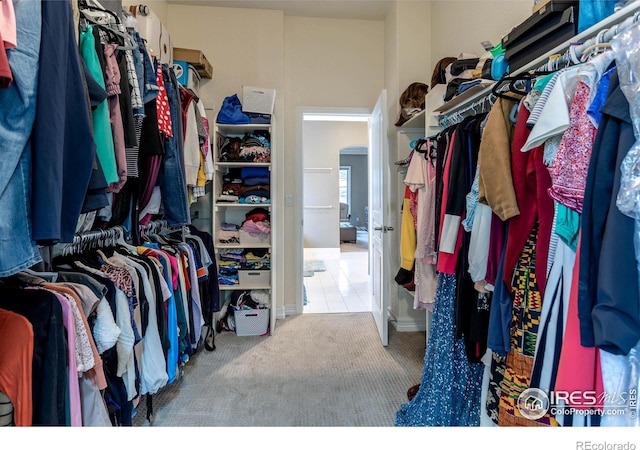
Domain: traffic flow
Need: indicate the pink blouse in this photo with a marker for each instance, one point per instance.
(571, 164)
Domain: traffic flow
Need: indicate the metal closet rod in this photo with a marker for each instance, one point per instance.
(477, 107)
(154, 225)
(90, 239)
(161, 224)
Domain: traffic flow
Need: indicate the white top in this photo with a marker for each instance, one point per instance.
(554, 118)
(153, 365)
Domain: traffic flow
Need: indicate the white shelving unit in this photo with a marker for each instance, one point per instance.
(235, 212)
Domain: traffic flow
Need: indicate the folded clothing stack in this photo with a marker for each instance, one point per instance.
(256, 182)
(253, 147)
(228, 265)
(231, 185)
(257, 223)
(229, 233)
(256, 259)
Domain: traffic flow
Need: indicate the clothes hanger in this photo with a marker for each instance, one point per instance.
(407, 160)
(84, 4)
(514, 81)
(422, 147)
(594, 50)
(127, 42)
(120, 241)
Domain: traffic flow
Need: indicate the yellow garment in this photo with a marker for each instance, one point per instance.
(408, 239)
(202, 177)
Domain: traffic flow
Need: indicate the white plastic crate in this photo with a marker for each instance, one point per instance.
(251, 322)
(258, 100)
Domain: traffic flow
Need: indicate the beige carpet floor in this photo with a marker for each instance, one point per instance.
(316, 370)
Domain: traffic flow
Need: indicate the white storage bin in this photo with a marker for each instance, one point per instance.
(258, 100)
(251, 322)
(251, 278)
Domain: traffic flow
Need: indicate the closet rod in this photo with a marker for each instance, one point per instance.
(477, 107)
(89, 239)
(154, 225)
(161, 224)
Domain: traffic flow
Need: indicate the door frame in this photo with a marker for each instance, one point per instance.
(299, 201)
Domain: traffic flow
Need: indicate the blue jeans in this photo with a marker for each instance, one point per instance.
(171, 178)
(138, 62)
(150, 78)
(18, 251)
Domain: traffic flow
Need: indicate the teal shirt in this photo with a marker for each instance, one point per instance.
(568, 226)
(102, 132)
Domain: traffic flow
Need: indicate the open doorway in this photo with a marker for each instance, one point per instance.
(335, 213)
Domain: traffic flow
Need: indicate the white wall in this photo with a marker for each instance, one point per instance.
(460, 26)
(238, 58)
(159, 7)
(322, 143)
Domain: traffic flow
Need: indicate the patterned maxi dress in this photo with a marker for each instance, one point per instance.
(450, 388)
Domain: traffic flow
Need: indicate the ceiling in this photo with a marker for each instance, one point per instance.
(334, 9)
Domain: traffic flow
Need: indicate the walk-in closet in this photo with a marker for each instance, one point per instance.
(156, 227)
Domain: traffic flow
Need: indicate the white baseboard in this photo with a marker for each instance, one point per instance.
(285, 311)
(407, 324)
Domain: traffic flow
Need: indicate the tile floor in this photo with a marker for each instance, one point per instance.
(344, 286)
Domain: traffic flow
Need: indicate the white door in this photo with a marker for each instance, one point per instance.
(379, 226)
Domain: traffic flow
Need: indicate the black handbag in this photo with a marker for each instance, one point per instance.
(486, 70)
